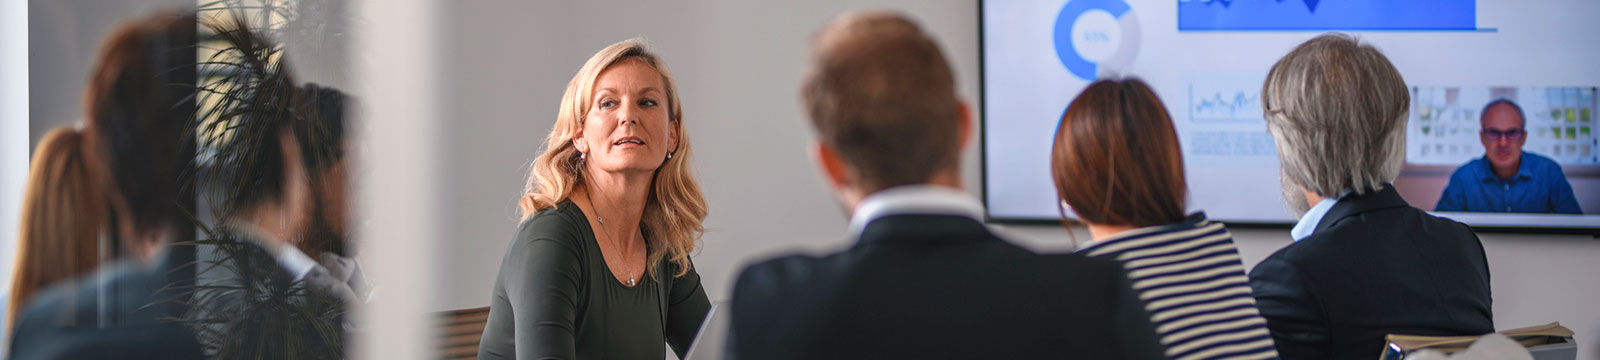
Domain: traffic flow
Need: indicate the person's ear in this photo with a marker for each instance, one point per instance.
(673, 127)
(292, 162)
(965, 124)
(297, 180)
(577, 141)
(833, 168)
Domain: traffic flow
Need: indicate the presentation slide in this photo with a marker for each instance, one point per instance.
(1207, 60)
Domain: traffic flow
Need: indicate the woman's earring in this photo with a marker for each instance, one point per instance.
(583, 156)
(669, 155)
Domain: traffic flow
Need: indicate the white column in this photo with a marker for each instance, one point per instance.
(13, 133)
(397, 61)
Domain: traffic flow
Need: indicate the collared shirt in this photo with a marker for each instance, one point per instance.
(292, 260)
(914, 199)
(1539, 186)
(340, 277)
(1308, 222)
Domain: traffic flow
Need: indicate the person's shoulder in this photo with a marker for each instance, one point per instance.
(37, 317)
(79, 298)
(778, 272)
(1537, 159)
(1081, 264)
(1540, 163)
(777, 276)
(150, 340)
(562, 224)
(1374, 230)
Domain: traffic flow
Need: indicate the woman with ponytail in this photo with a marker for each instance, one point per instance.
(63, 213)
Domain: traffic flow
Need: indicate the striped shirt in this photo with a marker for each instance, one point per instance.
(1194, 287)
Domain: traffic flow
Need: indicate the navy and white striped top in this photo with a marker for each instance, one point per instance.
(1194, 287)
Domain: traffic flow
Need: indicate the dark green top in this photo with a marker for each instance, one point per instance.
(555, 298)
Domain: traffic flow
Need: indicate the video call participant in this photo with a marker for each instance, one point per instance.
(925, 278)
(1364, 263)
(1506, 178)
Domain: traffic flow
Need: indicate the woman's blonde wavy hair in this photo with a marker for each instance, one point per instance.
(675, 208)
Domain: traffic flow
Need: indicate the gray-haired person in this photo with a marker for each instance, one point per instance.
(1364, 262)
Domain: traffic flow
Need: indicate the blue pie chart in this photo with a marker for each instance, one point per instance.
(1115, 42)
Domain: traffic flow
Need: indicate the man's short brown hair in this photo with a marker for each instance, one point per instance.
(880, 93)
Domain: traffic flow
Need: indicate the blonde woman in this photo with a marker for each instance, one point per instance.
(600, 266)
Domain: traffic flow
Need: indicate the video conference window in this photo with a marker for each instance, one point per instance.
(1529, 160)
(1502, 150)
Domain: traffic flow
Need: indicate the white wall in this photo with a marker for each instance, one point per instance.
(738, 67)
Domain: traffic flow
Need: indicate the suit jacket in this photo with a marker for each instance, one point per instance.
(937, 286)
(251, 292)
(135, 320)
(1373, 266)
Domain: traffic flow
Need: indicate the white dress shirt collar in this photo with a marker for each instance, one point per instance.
(294, 261)
(916, 200)
(1308, 222)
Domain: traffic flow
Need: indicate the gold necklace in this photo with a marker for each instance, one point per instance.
(609, 238)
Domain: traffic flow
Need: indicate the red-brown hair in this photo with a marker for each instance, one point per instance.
(1116, 158)
(63, 212)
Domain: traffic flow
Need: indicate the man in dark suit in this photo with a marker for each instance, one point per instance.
(1364, 263)
(925, 278)
(132, 140)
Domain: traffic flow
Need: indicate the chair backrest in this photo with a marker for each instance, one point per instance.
(460, 332)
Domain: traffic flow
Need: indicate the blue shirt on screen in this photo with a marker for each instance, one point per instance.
(1538, 187)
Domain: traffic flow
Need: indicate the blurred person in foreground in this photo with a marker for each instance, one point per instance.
(925, 278)
(63, 214)
(284, 290)
(132, 138)
(276, 162)
(1507, 178)
(600, 267)
(1118, 167)
(1363, 263)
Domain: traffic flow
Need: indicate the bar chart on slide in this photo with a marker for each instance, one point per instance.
(1276, 15)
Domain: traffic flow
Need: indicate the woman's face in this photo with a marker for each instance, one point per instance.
(628, 127)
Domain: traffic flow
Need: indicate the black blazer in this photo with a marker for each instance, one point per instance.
(1373, 266)
(924, 286)
(136, 320)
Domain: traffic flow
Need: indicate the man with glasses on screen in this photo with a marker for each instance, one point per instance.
(1507, 179)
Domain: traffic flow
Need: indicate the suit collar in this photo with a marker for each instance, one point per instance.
(918, 199)
(1356, 204)
(926, 230)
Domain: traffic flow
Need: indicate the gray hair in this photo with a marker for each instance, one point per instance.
(1503, 101)
(1337, 110)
